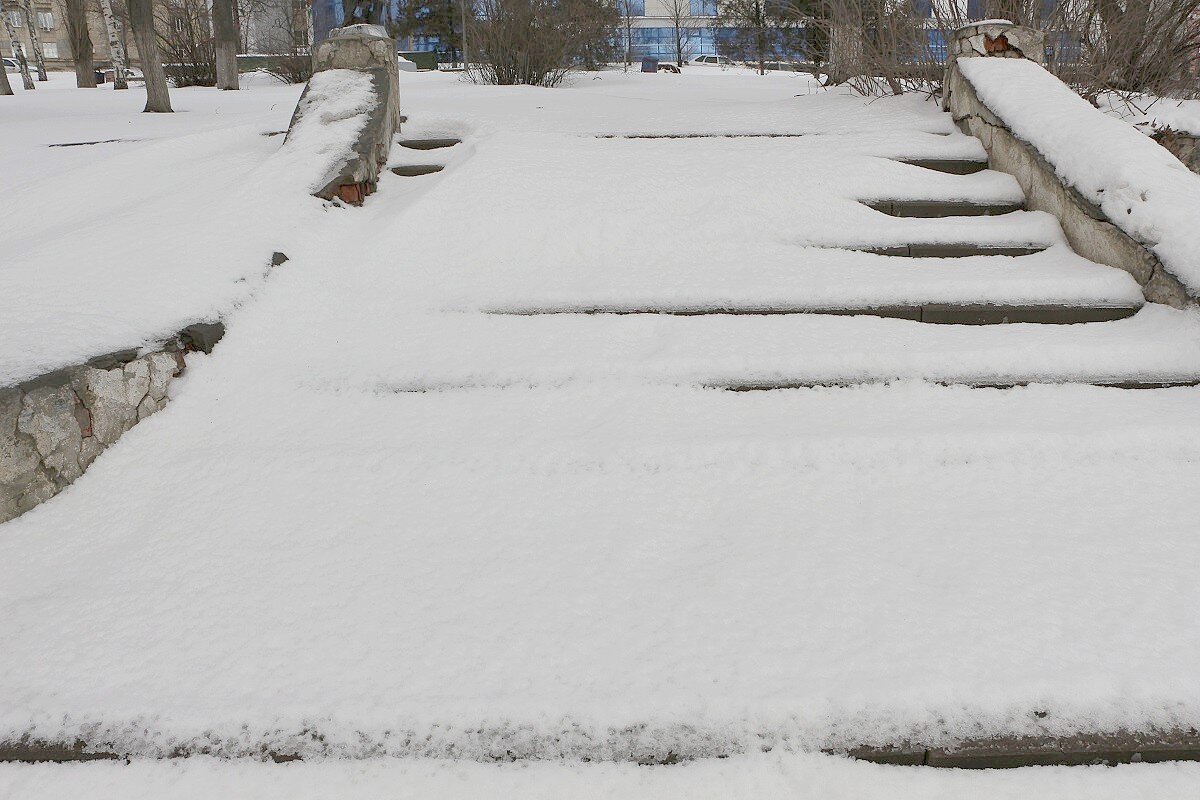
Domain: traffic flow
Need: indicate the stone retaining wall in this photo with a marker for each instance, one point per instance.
(54, 426)
(1184, 146)
(1090, 232)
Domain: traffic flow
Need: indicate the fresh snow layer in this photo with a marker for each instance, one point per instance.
(120, 244)
(604, 559)
(759, 776)
(1140, 186)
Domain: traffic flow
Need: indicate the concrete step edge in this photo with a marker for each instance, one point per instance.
(428, 144)
(952, 166)
(990, 753)
(415, 170)
(935, 313)
(947, 249)
(937, 209)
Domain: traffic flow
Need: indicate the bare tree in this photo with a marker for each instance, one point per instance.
(679, 14)
(5, 86)
(537, 42)
(878, 46)
(35, 39)
(141, 17)
(81, 44)
(17, 50)
(225, 44)
(116, 48)
(626, 8)
(763, 30)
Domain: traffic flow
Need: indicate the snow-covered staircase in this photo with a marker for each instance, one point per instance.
(945, 304)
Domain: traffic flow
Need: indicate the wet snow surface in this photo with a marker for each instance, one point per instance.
(379, 514)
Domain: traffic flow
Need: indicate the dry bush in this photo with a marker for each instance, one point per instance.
(537, 42)
(1125, 46)
(878, 46)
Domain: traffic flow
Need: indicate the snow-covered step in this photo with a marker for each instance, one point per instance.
(1158, 345)
(943, 208)
(953, 166)
(1053, 285)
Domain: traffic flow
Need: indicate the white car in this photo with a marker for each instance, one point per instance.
(11, 65)
(712, 61)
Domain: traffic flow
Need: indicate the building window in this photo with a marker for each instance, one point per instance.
(16, 18)
(178, 24)
(50, 49)
(975, 9)
(704, 8)
(46, 20)
(633, 8)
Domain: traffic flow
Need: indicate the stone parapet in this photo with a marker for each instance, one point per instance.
(367, 49)
(998, 39)
(1087, 228)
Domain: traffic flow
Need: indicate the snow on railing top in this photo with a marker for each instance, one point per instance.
(1140, 187)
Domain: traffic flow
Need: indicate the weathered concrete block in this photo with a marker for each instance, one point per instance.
(999, 40)
(362, 48)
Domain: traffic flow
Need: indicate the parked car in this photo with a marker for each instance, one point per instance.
(12, 65)
(780, 66)
(713, 61)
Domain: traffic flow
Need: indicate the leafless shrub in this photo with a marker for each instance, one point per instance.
(537, 42)
(1129, 47)
(878, 46)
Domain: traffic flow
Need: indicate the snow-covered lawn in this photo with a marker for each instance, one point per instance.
(382, 516)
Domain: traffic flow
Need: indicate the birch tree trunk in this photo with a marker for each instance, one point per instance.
(141, 16)
(225, 43)
(17, 51)
(81, 44)
(5, 86)
(116, 50)
(35, 39)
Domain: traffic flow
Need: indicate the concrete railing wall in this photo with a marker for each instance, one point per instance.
(1088, 229)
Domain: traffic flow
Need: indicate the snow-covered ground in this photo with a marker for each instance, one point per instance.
(381, 516)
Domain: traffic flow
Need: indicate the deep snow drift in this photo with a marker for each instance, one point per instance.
(381, 520)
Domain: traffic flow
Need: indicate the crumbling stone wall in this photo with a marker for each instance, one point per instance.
(1184, 146)
(53, 427)
(1088, 229)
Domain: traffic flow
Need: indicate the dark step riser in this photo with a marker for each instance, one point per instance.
(936, 209)
(947, 250)
(952, 166)
(930, 313)
(428, 144)
(416, 170)
(838, 384)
